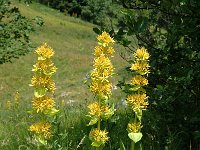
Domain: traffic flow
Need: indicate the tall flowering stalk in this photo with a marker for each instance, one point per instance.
(138, 100)
(101, 87)
(43, 105)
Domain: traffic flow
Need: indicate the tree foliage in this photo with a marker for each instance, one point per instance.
(170, 31)
(14, 32)
(100, 12)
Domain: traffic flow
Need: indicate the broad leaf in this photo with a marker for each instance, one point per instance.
(136, 137)
(93, 121)
(96, 144)
(40, 91)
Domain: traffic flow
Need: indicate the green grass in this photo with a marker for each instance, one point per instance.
(73, 41)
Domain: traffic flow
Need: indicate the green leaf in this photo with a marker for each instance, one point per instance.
(122, 147)
(40, 91)
(108, 115)
(134, 88)
(97, 30)
(138, 113)
(96, 144)
(136, 137)
(141, 24)
(52, 112)
(42, 141)
(93, 121)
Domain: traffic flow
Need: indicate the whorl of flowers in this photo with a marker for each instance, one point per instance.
(42, 130)
(98, 137)
(43, 104)
(138, 100)
(97, 110)
(101, 87)
(134, 127)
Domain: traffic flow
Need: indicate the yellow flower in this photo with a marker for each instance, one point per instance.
(44, 52)
(140, 67)
(101, 88)
(99, 50)
(105, 39)
(103, 68)
(97, 110)
(141, 54)
(17, 98)
(43, 104)
(46, 82)
(137, 101)
(102, 62)
(101, 75)
(41, 129)
(134, 127)
(44, 66)
(99, 135)
(139, 80)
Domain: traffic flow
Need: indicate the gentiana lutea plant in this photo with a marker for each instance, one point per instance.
(43, 104)
(137, 101)
(101, 87)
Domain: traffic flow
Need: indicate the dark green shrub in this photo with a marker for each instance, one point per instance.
(14, 33)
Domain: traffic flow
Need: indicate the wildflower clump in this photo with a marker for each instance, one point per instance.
(137, 101)
(101, 87)
(43, 105)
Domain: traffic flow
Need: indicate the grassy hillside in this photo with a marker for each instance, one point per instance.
(73, 41)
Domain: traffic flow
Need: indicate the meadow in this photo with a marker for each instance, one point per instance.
(73, 42)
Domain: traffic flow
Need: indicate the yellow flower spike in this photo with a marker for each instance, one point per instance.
(43, 104)
(17, 98)
(137, 101)
(41, 129)
(101, 88)
(139, 80)
(44, 52)
(134, 127)
(105, 39)
(98, 137)
(141, 54)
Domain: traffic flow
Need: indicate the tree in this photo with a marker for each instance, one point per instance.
(14, 30)
(170, 31)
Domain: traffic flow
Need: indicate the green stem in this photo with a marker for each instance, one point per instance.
(38, 147)
(132, 145)
(99, 127)
(99, 123)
